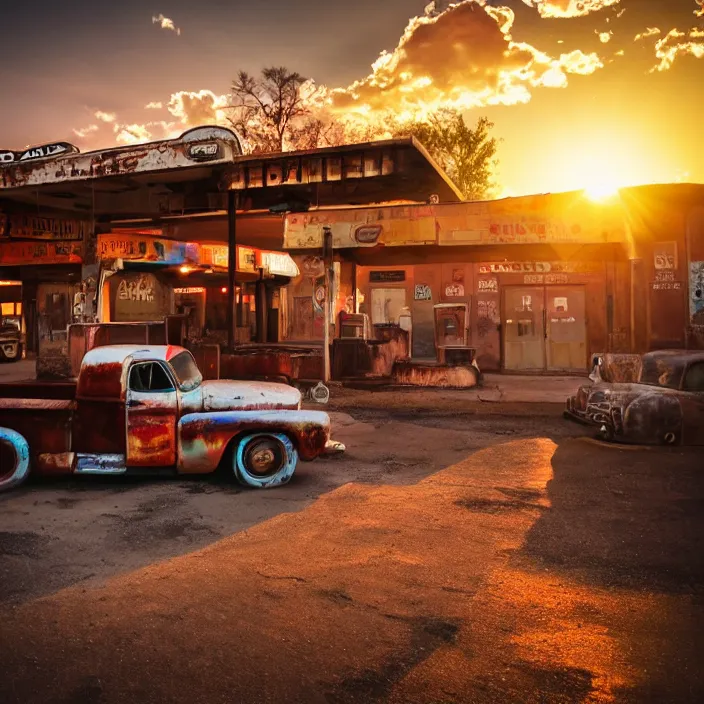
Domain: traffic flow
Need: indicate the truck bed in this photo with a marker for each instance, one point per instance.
(50, 390)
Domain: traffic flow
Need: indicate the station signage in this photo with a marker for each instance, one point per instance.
(45, 151)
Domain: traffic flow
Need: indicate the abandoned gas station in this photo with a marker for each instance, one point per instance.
(255, 261)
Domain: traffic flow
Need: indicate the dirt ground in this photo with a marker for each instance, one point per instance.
(461, 551)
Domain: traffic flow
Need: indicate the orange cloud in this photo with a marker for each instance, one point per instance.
(569, 8)
(166, 23)
(85, 131)
(105, 116)
(154, 105)
(676, 43)
(463, 57)
(649, 32)
(700, 11)
(198, 108)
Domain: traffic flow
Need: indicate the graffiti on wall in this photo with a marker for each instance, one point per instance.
(696, 292)
(456, 288)
(136, 290)
(423, 293)
(487, 317)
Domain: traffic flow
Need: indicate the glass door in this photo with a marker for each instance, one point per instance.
(566, 338)
(524, 328)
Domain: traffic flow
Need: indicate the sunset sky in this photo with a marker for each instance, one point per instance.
(577, 96)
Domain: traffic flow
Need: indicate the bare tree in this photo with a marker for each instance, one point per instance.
(265, 109)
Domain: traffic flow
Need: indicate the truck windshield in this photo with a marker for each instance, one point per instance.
(186, 371)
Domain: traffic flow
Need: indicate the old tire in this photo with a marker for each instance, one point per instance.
(14, 459)
(265, 460)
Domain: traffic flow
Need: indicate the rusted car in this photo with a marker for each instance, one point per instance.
(135, 409)
(663, 405)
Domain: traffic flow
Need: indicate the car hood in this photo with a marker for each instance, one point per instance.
(227, 395)
(619, 394)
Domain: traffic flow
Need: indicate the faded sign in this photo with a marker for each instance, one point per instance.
(396, 276)
(667, 286)
(532, 279)
(557, 218)
(571, 267)
(246, 259)
(216, 255)
(665, 255)
(33, 153)
(362, 227)
(24, 226)
(456, 288)
(423, 293)
(556, 279)
(312, 267)
(454, 291)
(136, 247)
(488, 285)
(16, 253)
(696, 292)
(278, 264)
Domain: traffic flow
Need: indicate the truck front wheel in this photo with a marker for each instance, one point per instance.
(265, 460)
(14, 459)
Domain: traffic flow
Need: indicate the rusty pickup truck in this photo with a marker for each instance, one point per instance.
(136, 409)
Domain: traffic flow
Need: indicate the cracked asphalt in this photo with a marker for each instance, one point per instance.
(459, 552)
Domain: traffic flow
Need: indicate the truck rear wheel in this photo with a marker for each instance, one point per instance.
(14, 459)
(265, 460)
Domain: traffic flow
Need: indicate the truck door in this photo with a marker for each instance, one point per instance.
(152, 409)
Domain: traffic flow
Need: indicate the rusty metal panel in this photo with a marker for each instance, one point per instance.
(151, 429)
(123, 161)
(204, 437)
(435, 375)
(99, 426)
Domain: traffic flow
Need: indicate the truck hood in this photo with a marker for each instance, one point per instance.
(224, 395)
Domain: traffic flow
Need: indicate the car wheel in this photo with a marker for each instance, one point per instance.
(265, 460)
(14, 459)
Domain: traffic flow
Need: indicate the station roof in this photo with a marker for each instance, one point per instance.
(191, 174)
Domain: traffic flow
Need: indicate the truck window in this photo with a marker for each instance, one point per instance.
(186, 371)
(694, 380)
(150, 376)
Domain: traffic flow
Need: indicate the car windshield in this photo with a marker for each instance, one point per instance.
(186, 371)
(661, 371)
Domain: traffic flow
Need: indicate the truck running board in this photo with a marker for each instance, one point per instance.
(100, 464)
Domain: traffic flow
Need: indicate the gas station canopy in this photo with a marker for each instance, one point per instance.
(192, 174)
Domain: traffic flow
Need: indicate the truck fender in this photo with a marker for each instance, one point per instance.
(14, 459)
(204, 437)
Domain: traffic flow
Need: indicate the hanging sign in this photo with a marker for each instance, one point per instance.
(16, 253)
(145, 248)
(24, 226)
